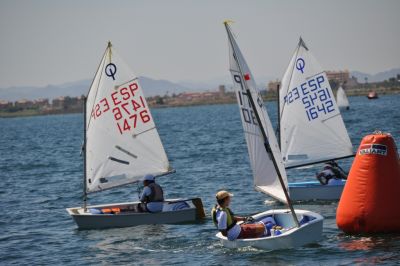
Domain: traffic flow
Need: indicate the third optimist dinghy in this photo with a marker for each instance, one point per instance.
(311, 128)
(266, 162)
(341, 99)
(121, 145)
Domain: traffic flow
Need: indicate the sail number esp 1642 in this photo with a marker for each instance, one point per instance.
(315, 96)
(127, 106)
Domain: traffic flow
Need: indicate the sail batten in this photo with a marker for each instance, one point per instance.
(122, 142)
(311, 126)
(265, 174)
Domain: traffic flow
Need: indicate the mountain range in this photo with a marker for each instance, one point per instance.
(153, 87)
(378, 77)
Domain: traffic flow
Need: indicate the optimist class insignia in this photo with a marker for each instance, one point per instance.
(378, 149)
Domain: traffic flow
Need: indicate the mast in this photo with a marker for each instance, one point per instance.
(265, 138)
(84, 155)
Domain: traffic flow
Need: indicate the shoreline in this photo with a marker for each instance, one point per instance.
(227, 100)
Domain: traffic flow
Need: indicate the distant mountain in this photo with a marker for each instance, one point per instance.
(151, 86)
(378, 77)
(51, 91)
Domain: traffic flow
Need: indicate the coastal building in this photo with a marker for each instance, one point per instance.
(41, 103)
(24, 104)
(221, 90)
(5, 105)
(273, 86)
(342, 78)
(58, 103)
(339, 76)
(68, 103)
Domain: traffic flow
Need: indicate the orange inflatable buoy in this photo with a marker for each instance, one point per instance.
(370, 201)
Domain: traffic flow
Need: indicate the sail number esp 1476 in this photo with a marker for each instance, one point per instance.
(127, 106)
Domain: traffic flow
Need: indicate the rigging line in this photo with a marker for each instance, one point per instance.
(326, 119)
(140, 133)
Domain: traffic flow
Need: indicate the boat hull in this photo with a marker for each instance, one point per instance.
(87, 220)
(294, 237)
(303, 191)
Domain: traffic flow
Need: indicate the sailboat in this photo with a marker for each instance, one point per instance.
(311, 128)
(341, 99)
(300, 227)
(121, 145)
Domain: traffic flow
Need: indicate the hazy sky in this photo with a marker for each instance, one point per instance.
(52, 42)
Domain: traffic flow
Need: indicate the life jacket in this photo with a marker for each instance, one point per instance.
(230, 220)
(157, 194)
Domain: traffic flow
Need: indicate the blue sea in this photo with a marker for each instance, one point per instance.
(41, 175)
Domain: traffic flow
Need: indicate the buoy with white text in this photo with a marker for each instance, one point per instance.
(371, 196)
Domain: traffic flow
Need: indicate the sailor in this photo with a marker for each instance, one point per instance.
(332, 174)
(152, 196)
(226, 221)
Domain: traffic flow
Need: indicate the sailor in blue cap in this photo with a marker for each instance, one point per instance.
(152, 196)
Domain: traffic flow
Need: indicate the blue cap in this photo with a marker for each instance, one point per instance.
(148, 177)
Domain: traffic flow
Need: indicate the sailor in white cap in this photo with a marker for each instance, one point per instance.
(152, 196)
(226, 221)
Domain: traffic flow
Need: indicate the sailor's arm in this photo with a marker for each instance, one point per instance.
(145, 193)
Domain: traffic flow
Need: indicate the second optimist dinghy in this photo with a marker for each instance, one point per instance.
(299, 227)
(311, 128)
(121, 145)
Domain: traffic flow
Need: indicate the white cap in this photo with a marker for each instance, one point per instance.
(148, 177)
(223, 194)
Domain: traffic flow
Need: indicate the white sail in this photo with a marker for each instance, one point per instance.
(311, 126)
(264, 173)
(122, 142)
(341, 99)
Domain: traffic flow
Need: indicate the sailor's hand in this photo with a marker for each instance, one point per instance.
(249, 219)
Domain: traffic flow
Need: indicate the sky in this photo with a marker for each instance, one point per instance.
(53, 42)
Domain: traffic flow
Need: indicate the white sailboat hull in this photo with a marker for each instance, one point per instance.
(293, 237)
(191, 210)
(303, 191)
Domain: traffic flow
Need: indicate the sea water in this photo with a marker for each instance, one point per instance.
(41, 175)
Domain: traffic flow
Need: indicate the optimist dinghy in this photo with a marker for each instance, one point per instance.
(121, 145)
(311, 128)
(341, 99)
(299, 227)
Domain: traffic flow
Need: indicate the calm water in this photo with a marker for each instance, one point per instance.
(41, 174)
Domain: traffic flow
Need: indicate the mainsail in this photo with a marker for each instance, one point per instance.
(122, 142)
(311, 126)
(264, 172)
(341, 98)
